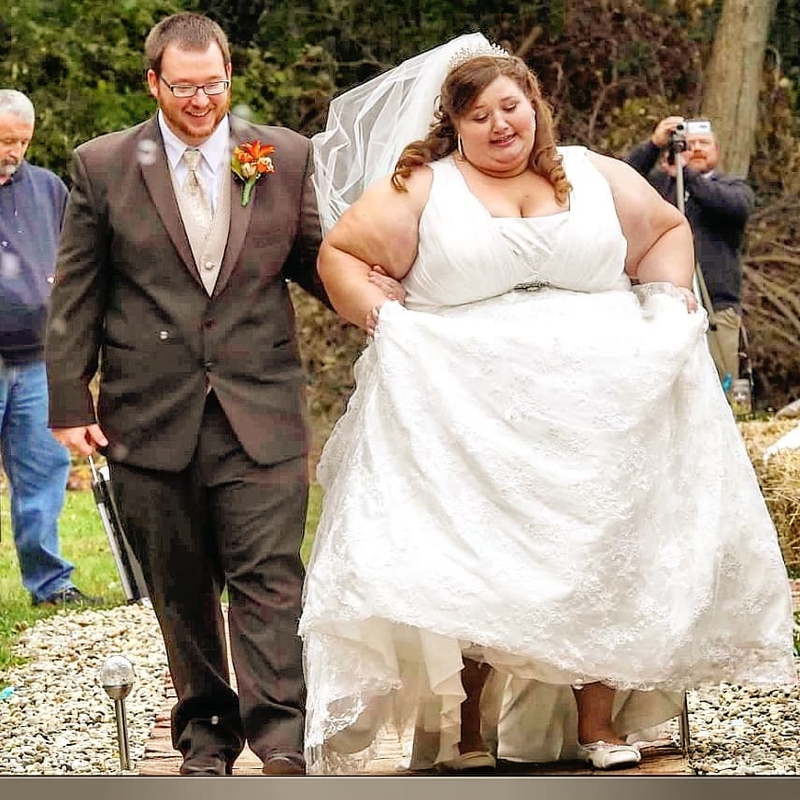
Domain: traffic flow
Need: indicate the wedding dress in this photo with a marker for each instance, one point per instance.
(538, 469)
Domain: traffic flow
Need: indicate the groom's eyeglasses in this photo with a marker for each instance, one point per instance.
(184, 90)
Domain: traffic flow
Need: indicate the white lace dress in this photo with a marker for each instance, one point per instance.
(547, 479)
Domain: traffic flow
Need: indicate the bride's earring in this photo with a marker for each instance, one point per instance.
(459, 146)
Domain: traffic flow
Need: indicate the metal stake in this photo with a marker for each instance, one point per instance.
(122, 734)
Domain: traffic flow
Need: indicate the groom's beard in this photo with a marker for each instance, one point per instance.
(190, 130)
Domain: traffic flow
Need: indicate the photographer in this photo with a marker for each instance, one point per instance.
(717, 207)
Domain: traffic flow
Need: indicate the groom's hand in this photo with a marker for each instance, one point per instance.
(393, 289)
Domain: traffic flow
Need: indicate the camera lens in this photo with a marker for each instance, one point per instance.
(679, 127)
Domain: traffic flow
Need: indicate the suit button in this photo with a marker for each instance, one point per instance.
(209, 265)
(163, 335)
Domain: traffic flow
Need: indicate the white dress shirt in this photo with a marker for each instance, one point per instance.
(214, 163)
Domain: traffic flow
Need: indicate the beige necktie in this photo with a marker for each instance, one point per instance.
(193, 189)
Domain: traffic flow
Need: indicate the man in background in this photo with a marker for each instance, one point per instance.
(717, 207)
(32, 203)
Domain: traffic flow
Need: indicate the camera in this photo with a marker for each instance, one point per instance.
(694, 126)
(689, 127)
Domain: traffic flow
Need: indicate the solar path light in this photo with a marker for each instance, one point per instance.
(117, 677)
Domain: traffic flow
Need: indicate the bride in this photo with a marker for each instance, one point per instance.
(540, 524)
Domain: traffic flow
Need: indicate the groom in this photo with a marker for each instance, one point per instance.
(177, 288)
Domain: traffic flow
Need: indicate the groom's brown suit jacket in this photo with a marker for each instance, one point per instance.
(127, 292)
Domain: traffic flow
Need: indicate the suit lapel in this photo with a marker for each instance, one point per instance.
(157, 179)
(240, 215)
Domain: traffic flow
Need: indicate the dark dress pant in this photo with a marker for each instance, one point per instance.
(224, 521)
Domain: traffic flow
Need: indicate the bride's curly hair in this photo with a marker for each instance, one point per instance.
(460, 89)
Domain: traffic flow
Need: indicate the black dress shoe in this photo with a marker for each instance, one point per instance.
(284, 764)
(71, 597)
(206, 765)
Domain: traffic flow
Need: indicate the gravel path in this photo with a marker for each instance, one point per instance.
(56, 719)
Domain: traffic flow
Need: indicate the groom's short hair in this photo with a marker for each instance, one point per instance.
(188, 32)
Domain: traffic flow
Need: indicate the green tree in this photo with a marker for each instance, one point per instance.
(363, 37)
(81, 64)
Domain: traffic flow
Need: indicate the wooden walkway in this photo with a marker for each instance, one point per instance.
(161, 759)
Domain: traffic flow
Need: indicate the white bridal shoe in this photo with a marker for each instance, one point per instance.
(474, 760)
(609, 756)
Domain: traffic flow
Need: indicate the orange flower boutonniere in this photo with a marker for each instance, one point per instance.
(250, 161)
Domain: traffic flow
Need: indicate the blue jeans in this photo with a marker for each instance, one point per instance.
(37, 467)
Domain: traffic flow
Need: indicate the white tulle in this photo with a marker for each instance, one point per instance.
(368, 127)
(551, 481)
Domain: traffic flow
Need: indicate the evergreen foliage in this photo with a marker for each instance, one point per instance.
(611, 69)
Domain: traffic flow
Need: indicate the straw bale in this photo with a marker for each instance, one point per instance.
(780, 482)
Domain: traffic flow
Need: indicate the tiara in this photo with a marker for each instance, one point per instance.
(470, 51)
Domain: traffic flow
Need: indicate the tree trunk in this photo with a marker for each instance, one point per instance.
(733, 79)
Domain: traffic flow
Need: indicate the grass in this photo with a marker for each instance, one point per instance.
(84, 543)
